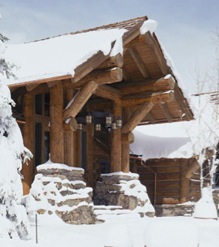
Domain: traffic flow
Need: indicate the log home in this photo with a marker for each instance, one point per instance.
(81, 109)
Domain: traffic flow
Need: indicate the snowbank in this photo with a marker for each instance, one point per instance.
(205, 207)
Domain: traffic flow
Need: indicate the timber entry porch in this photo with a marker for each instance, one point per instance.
(86, 119)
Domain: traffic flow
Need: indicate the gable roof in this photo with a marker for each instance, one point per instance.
(145, 68)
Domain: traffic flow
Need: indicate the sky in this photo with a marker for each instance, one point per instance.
(187, 29)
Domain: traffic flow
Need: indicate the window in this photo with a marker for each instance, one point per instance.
(42, 134)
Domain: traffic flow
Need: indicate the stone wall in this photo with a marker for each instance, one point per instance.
(174, 209)
(125, 190)
(61, 189)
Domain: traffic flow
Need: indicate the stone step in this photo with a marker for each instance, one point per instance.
(104, 213)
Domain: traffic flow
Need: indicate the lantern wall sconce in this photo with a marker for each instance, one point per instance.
(80, 126)
(98, 127)
(119, 123)
(114, 127)
(88, 119)
(108, 121)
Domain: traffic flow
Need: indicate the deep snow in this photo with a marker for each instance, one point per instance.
(160, 232)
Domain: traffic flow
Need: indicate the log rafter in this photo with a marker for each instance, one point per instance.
(182, 104)
(108, 92)
(139, 62)
(79, 100)
(151, 117)
(137, 116)
(151, 40)
(166, 112)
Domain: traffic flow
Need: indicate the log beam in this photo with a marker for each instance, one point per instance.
(40, 81)
(103, 76)
(132, 33)
(108, 92)
(155, 98)
(88, 66)
(31, 87)
(56, 124)
(80, 100)
(163, 84)
(114, 61)
(137, 117)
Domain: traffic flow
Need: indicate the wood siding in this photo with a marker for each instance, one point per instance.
(166, 182)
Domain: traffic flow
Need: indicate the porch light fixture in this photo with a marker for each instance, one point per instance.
(114, 126)
(88, 119)
(108, 121)
(98, 127)
(119, 123)
(80, 126)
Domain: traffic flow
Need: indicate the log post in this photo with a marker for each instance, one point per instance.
(90, 152)
(56, 124)
(191, 169)
(184, 186)
(125, 153)
(116, 141)
(28, 132)
(69, 135)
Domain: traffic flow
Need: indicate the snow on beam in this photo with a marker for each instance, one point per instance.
(93, 62)
(111, 62)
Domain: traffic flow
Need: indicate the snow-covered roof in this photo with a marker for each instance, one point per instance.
(151, 147)
(181, 139)
(61, 55)
(75, 56)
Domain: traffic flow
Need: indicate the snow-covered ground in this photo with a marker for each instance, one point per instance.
(157, 232)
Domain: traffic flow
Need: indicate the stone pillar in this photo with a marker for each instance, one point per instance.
(123, 190)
